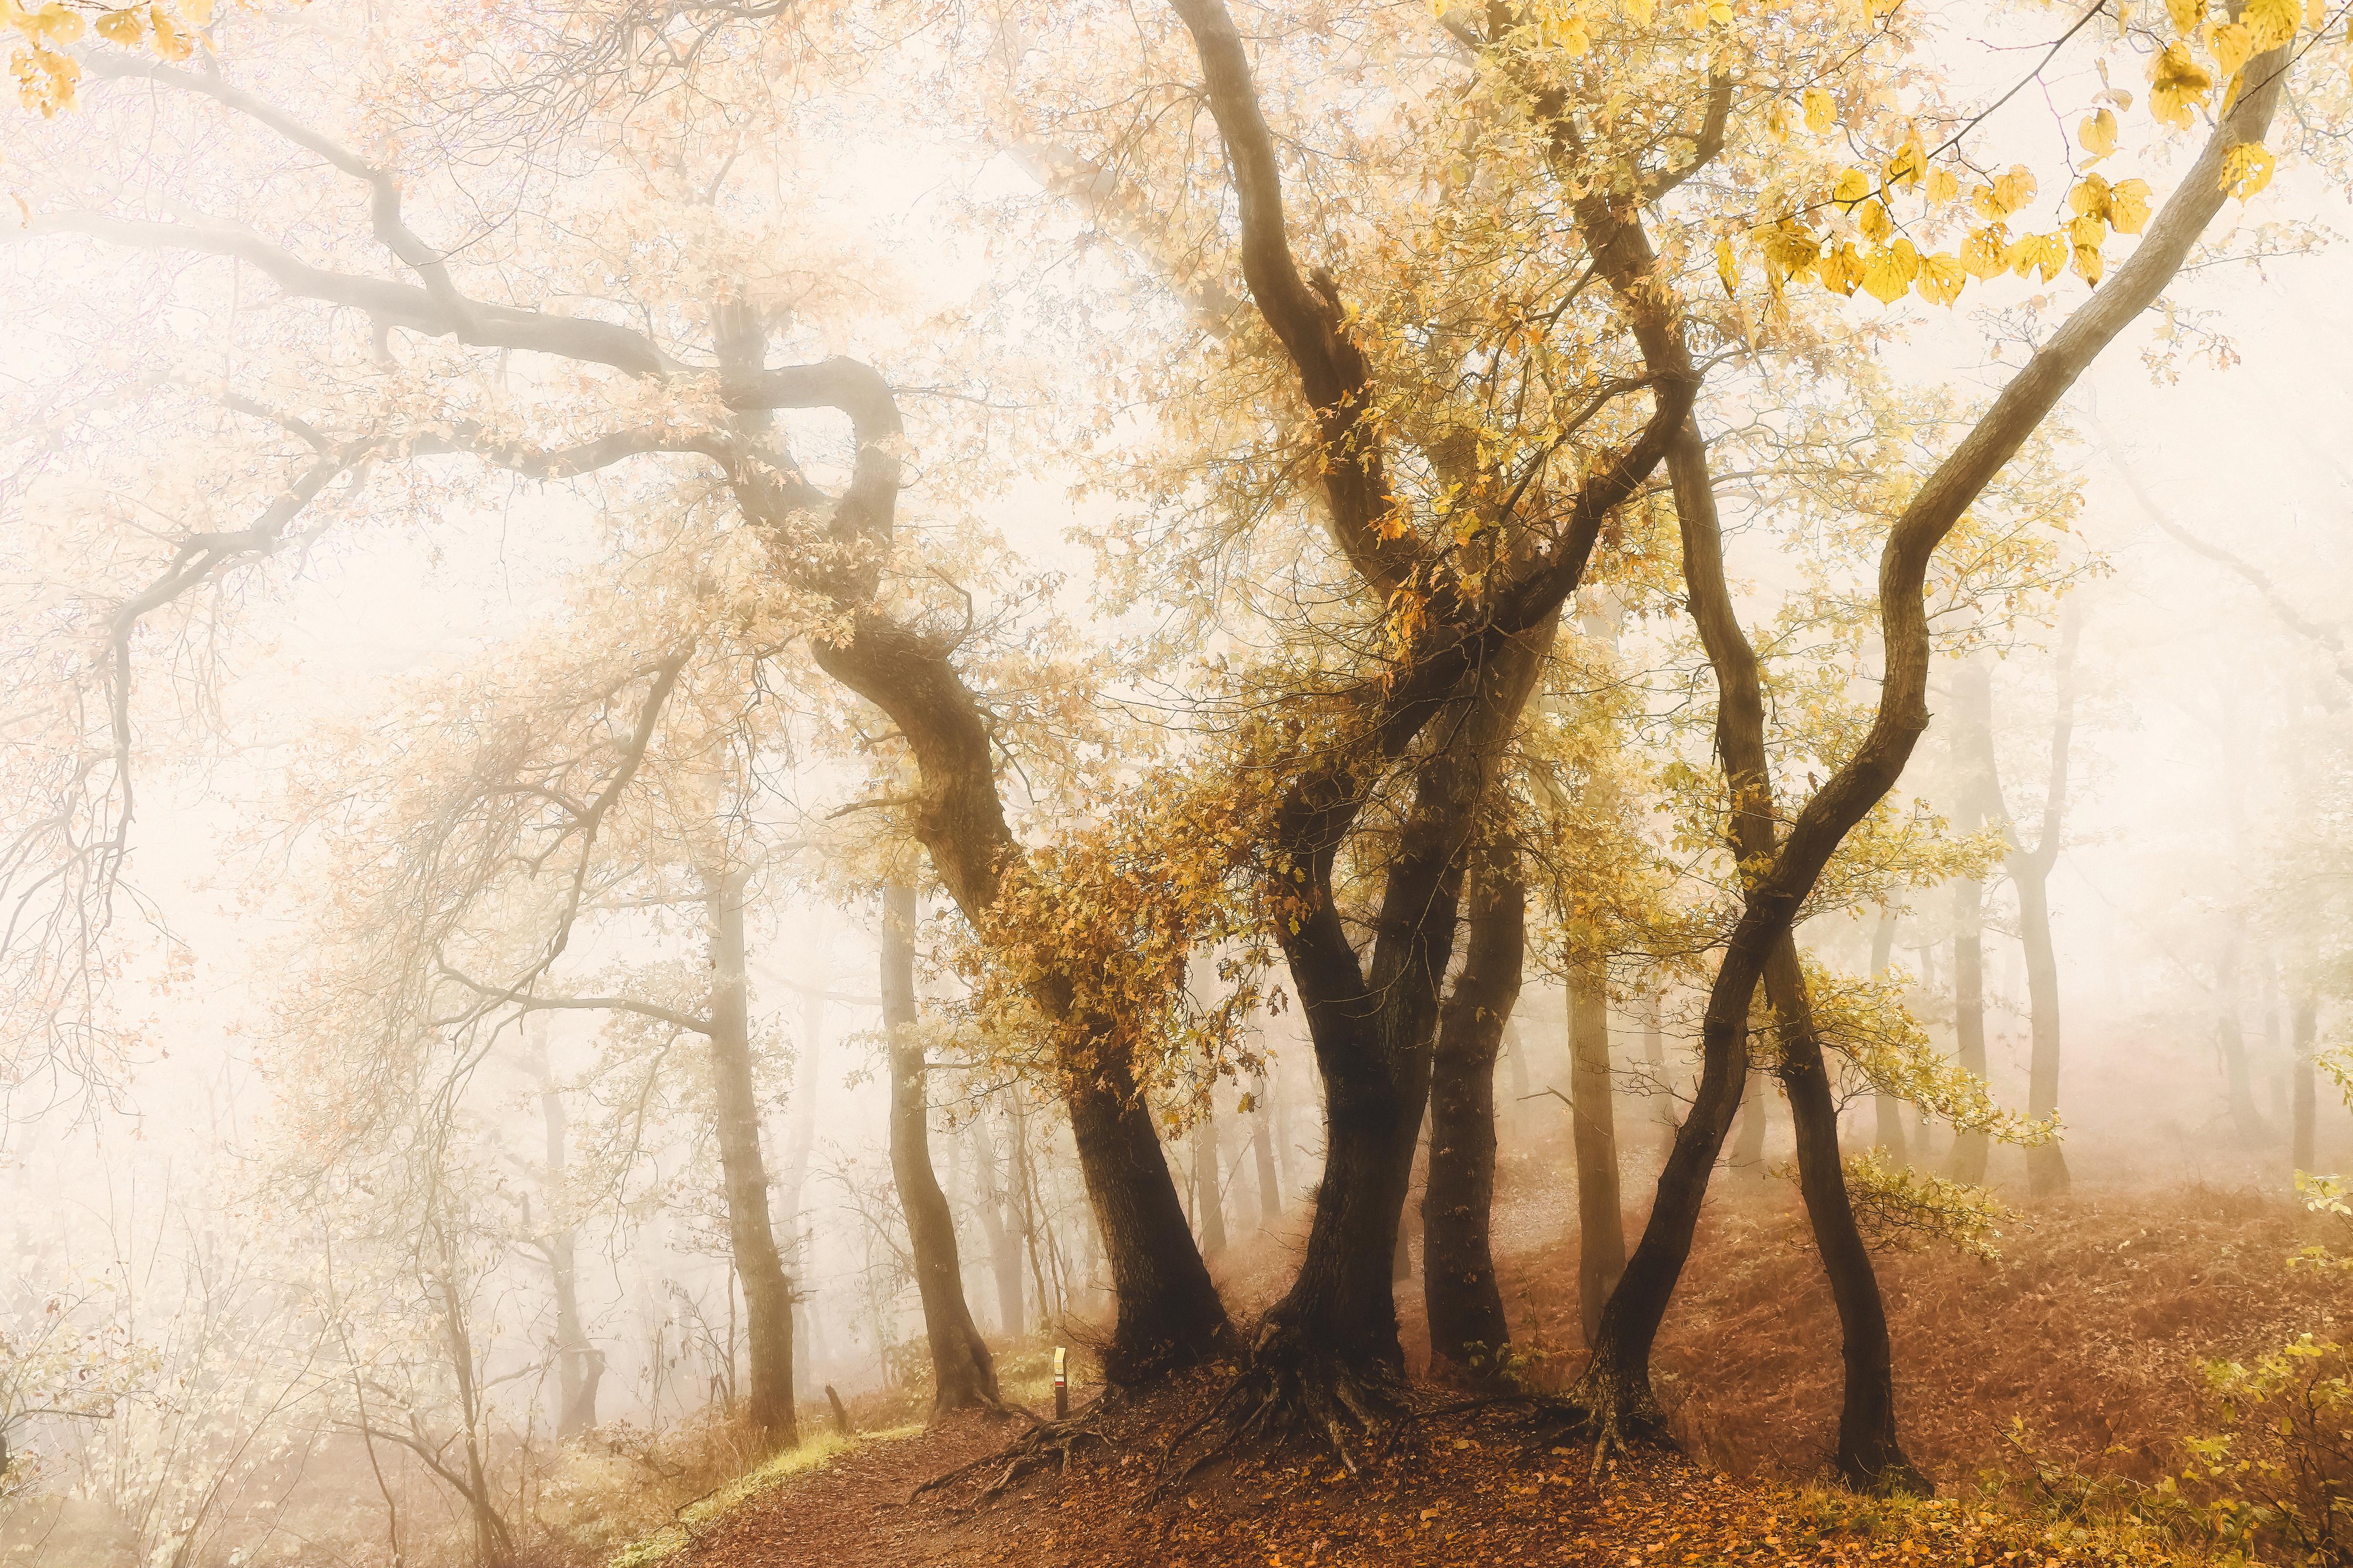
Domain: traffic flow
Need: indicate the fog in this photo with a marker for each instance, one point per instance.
(721, 717)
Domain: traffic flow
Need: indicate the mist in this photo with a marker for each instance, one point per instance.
(791, 782)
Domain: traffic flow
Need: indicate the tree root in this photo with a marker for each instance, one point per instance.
(1045, 1443)
(1286, 1395)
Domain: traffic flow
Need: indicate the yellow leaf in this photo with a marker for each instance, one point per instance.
(57, 24)
(1720, 14)
(2272, 23)
(1569, 36)
(1727, 267)
(1876, 225)
(1850, 189)
(1943, 186)
(1984, 254)
(1887, 274)
(2176, 84)
(2088, 265)
(170, 42)
(123, 28)
(1909, 165)
(2014, 189)
(2186, 15)
(1776, 121)
(2098, 133)
(1840, 269)
(1789, 252)
(2128, 206)
(2230, 43)
(1942, 278)
(2091, 195)
(1641, 12)
(2086, 232)
(2246, 168)
(1821, 110)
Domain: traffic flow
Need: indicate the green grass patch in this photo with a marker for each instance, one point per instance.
(811, 1454)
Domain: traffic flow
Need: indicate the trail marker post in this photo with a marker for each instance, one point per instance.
(1061, 1385)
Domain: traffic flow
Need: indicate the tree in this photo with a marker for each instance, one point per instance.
(962, 1373)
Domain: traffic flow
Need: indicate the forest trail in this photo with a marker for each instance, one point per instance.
(2088, 1330)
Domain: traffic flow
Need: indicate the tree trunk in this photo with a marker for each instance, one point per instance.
(1168, 1312)
(1261, 1128)
(1002, 1226)
(1654, 1054)
(2304, 1027)
(1600, 1221)
(1756, 1112)
(1888, 1125)
(1373, 1031)
(579, 1365)
(1208, 1180)
(1973, 745)
(963, 1375)
(1468, 1331)
(1868, 1454)
(767, 1293)
(1616, 1388)
(2246, 1121)
(2046, 1164)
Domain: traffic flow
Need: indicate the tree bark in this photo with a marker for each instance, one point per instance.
(1601, 1220)
(1887, 1109)
(2246, 1121)
(1270, 1179)
(1973, 749)
(1208, 1180)
(1868, 1452)
(1468, 1330)
(579, 1365)
(1755, 1118)
(962, 1373)
(2304, 1028)
(767, 1293)
(1001, 1223)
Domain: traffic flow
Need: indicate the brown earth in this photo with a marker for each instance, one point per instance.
(2080, 1346)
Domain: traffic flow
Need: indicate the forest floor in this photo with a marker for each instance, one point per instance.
(2076, 1352)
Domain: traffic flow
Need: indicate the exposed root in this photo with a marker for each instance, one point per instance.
(1286, 1394)
(1618, 1414)
(1046, 1443)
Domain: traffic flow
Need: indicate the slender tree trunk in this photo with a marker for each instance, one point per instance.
(767, 1293)
(1868, 1452)
(1973, 745)
(963, 1373)
(579, 1365)
(2246, 1121)
(1262, 1128)
(1617, 1383)
(1756, 1113)
(1001, 1225)
(2304, 1027)
(1468, 1331)
(1654, 1053)
(1208, 1181)
(1601, 1220)
(1888, 1127)
(2046, 1164)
